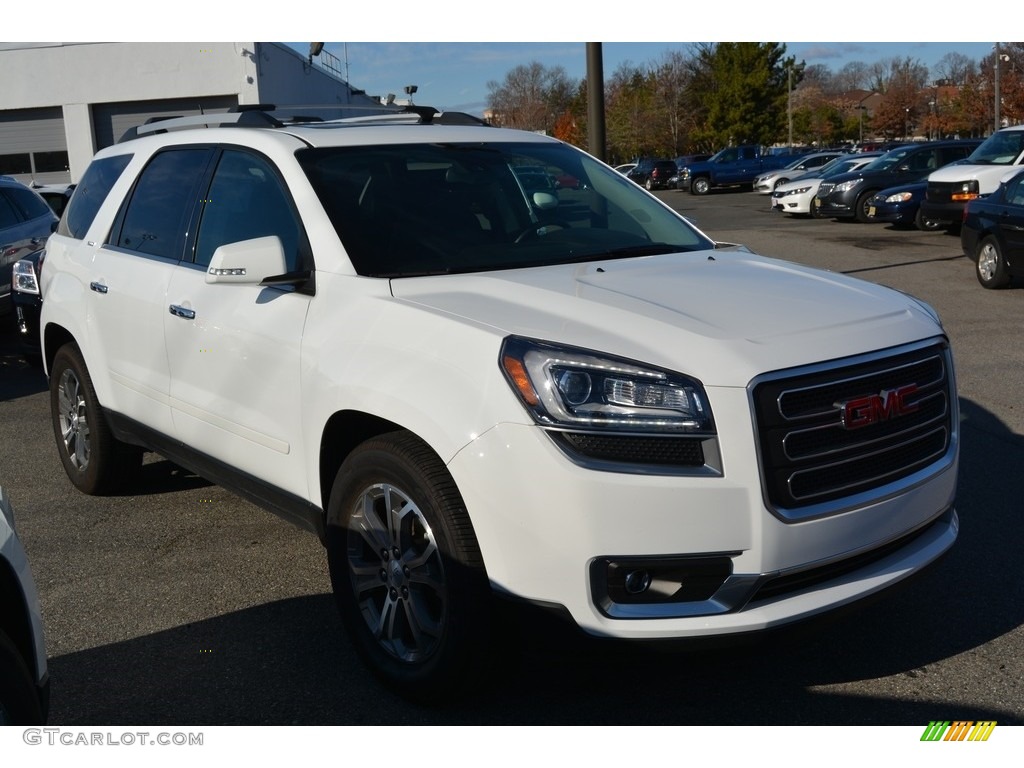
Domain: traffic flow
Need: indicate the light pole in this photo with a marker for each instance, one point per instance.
(932, 128)
(906, 122)
(861, 109)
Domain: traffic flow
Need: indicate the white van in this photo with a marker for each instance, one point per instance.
(950, 188)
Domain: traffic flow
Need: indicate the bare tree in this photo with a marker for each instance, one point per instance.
(955, 69)
(531, 97)
(854, 76)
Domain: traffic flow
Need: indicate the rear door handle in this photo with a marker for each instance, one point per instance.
(98, 287)
(177, 311)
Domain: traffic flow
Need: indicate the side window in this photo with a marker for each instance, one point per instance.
(1015, 191)
(30, 204)
(245, 201)
(922, 161)
(162, 202)
(8, 216)
(90, 194)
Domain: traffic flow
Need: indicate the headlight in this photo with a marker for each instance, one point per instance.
(969, 190)
(577, 388)
(24, 277)
(800, 191)
(900, 197)
(846, 186)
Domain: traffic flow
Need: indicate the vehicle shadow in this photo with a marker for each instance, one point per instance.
(18, 378)
(289, 661)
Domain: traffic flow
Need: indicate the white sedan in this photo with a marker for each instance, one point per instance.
(795, 197)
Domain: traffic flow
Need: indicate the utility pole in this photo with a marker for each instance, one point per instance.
(998, 122)
(789, 101)
(595, 101)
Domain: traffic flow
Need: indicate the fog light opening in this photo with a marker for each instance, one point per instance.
(637, 582)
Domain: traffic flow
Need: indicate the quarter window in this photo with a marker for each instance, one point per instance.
(90, 194)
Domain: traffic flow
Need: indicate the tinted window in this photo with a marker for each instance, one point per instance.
(442, 208)
(90, 194)
(8, 216)
(30, 204)
(162, 202)
(246, 200)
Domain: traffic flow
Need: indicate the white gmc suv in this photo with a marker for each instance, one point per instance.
(470, 384)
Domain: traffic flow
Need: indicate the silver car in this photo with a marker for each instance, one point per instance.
(24, 681)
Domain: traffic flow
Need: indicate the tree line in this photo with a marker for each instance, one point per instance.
(708, 95)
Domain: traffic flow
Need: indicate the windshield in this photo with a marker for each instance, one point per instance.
(889, 159)
(423, 209)
(1001, 148)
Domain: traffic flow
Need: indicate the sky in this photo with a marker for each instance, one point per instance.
(455, 76)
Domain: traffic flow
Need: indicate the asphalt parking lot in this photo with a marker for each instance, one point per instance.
(178, 603)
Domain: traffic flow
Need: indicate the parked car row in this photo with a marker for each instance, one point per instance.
(865, 188)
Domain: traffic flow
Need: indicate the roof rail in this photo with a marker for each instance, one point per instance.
(258, 116)
(245, 118)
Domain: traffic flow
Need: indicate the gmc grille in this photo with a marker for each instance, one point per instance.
(824, 189)
(809, 456)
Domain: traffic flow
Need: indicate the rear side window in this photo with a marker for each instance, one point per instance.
(90, 194)
(158, 211)
(29, 203)
(8, 216)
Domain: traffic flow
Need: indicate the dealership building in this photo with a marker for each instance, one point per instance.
(61, 102)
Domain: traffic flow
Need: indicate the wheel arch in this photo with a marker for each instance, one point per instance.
(54, 337)
(343, 432)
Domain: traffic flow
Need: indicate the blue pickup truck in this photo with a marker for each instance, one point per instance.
(730, 167)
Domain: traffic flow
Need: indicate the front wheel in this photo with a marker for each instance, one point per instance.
(406, 569)
(700, 186)
(991, 269)
(95, 461)
(926, 225)
(864, 205)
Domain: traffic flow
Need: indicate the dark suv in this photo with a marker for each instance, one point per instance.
(849, 196)
(653, 174)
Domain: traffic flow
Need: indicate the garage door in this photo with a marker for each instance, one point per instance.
(33, 145)
(110, 121)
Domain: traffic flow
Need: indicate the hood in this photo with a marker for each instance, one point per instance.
(723, 316)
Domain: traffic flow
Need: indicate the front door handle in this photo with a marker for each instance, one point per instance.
(98, 287)
(177, 311)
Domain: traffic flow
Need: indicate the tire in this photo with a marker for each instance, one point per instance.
(700, 185)
(94, 460)
(926, 225)
(861, 208)
(991, 268)
(649, 184)
(410, 584)
(19, 702)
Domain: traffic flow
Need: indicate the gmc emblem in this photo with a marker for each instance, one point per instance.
(872, 409)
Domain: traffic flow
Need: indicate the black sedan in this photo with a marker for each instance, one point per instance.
(901, 206)
(992, 234)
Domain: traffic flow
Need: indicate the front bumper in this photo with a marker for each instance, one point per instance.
(553, 532)
(947, 213)
(27, 309)
(830, 207)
